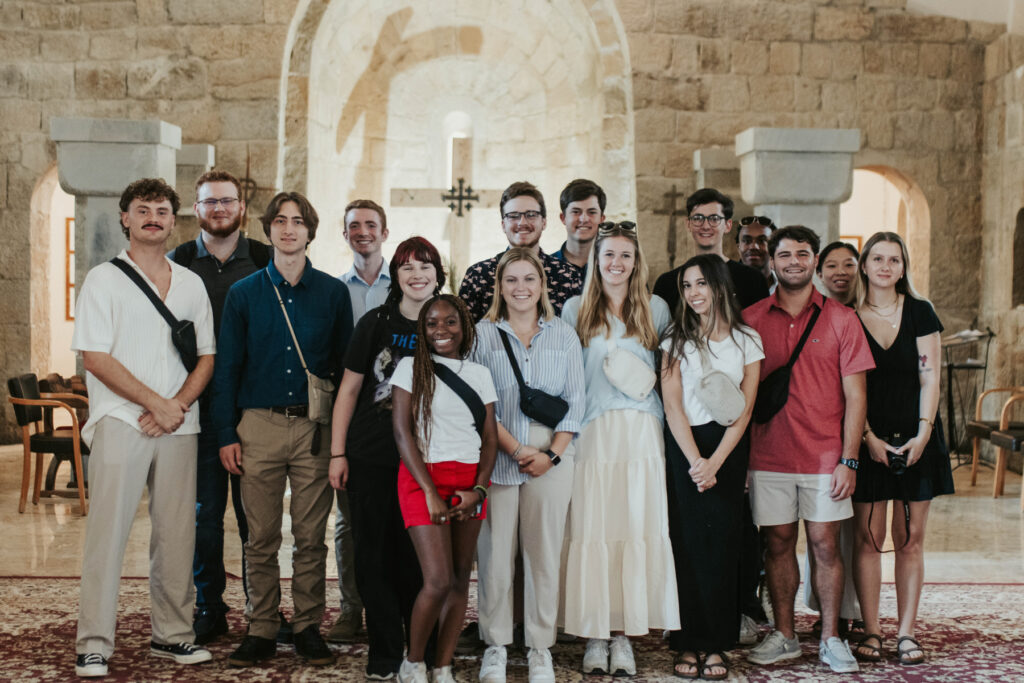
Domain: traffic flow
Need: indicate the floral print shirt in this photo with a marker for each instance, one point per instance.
(564, 282)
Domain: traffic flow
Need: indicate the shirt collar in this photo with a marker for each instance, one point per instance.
(241, 249)
(503, 324)
(277, 278)
(353, 275)
(816, 300)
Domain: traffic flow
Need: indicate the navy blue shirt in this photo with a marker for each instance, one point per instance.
(560, 255)
(257, 364)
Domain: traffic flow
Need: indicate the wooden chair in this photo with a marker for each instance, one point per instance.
(34, 413)
(1007, 438)
(979, 429)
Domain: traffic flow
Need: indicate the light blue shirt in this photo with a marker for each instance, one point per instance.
(601, 395)
(366, 297)
(553, 364)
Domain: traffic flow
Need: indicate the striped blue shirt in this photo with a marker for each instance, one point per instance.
(553, 364)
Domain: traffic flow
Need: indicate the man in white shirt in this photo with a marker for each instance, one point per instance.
(142, 429)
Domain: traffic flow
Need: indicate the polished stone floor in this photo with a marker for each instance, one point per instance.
(971, 536)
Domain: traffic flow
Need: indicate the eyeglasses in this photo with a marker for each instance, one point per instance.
(762, 220)
(516, 216)
(713, 220)
(226, 202)
(609, 226)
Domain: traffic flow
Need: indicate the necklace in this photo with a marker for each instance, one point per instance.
(878, 309)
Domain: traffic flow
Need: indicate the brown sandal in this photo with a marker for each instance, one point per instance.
(681, 660)
(873, 654)
(707, 666)
(905, 655)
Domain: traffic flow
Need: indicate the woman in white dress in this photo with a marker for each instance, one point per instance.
(620, 577)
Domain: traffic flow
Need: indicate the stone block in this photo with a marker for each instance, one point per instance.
(875, 57)
(51, 16)
(168, 77)
(781, 21)
(806, 95)
(18, 44)
(967, 130)
(784, 58)
(838, 97)
(685, 57)
(910, 130)
(613, 131)
(654, 125)
(940, 130)
(100, 81)
(689, 94)
(637, 15)
(916, 93)
(22, 116)
(12, 81)
(648, 91)
(650, 158)
(847, 60)
(37, 152)
(151, 12)
(277, 12)
(816, 61)
(216, 11)
(901, 59)
(108, 15)
(749, 57)
(249, 120)
(772, 93)
(649, 52)
(689, 126)
(955, 95)
(967, 63)
(159, 41)
(876, 94)
(713, 56)
(109, 45)
(918, 27)
(879, 131)
(984, 31)
(729, 93)
(933, 60)
(234, 79)
(50, 81)
(834, 23)
(105, 109)
(721, 129)
(706, 19)
(199, 120)
(1015, 50)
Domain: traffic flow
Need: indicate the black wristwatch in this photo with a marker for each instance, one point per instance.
(852, 463)
(555, 459)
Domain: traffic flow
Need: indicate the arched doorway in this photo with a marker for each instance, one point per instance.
(886, 199)
(372, 88)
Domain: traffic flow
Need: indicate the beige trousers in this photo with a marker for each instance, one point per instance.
(530, 517)
(124, 462)
(275, 454)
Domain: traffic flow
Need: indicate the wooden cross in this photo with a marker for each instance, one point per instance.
(460, 199)
(671, 211)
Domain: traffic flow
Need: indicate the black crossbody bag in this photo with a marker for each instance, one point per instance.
(465, 392)
(535, 404)
(773, 392)
(183, 332)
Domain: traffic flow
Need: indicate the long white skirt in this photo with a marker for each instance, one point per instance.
(618, 572)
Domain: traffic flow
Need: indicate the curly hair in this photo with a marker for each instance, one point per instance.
(148, 190)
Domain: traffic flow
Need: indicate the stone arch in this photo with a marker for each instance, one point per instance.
(1018, 261)
(912, 219)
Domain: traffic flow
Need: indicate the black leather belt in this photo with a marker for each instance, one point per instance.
(291, 411)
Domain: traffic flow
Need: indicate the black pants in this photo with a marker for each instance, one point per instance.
(387, 572)
(705, 532)
(751, 565)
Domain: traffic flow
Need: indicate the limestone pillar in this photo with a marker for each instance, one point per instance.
(192, 162)
(96, 159)
(719, 168)
(798, 175)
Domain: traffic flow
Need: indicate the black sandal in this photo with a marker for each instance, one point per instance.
(875, 654)
(707, 666)
(681, 660)
(905, 657)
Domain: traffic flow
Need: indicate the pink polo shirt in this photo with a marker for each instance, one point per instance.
(806, 436)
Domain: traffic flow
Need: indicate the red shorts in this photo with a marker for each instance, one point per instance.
(448, 477)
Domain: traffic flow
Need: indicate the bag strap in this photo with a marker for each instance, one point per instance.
(512, 359)
(288, 320)
(134, 276)
(803, 338)
(465, 392)
(185, 253)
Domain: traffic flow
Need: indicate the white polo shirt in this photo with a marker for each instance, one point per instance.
(112, 315)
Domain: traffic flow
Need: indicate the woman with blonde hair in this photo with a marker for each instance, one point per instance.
(904, 456)
(620, 578)
(537, 366)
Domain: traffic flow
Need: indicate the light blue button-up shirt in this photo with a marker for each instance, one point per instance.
(366, 297)
(553, 364)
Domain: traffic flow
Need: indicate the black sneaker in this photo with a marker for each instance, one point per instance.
(469, 641)
(182, 653)
(252, 650)
(91, 665)
(310, 645)
(208, 624)
(285, 634)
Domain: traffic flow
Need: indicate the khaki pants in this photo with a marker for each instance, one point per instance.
(530, 516)
(124, 462)
(275, 453)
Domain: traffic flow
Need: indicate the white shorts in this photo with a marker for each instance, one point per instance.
(783, 498)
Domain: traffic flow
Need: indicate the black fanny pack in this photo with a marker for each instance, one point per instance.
(183, 332)
(773, 391)
(535, 404)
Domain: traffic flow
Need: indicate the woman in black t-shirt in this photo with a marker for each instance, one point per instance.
(364, 459)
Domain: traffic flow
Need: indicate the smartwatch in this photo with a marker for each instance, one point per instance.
(850, 462)
(555, 459)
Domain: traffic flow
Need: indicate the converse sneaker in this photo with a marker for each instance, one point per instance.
(182, 653)
(775, 648)
(836, 653)
(620, 657)
(595, 659)
(748, 630)
(91, 665)
(412, 672)
(443, 674)
(492, 667)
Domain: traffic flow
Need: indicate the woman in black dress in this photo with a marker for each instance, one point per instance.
(904, 457)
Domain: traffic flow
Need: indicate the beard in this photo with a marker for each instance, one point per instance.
(221, 232)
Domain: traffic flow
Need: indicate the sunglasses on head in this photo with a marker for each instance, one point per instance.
(762, 220)
(609, 226)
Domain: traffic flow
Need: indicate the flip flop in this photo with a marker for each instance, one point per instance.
(905, 656)
(706, 667)
(875, 654)
(680, 660)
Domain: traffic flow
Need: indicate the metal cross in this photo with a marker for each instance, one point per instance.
(464, 194)
(671, 211)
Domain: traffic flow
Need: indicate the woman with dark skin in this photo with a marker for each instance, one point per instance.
(436, 437)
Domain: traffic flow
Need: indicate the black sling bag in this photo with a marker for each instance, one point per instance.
(773, 392)
(465, 392)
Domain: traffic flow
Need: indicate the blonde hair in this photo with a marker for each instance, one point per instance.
(499, 309)
(636, 309)
(904, 285)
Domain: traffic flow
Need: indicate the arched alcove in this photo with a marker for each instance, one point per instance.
(1018, 260)
(884, 198)
(371, 89)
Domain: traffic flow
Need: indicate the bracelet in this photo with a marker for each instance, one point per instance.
(482, 490)
(337, 455)
(516, 451)
(925, 419)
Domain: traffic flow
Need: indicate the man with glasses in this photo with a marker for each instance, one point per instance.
(523, 218)
(709, 217)
(752, 241)
(220, 257)
(582, 202)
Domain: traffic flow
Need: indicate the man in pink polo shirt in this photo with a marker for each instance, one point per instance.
(803, 460)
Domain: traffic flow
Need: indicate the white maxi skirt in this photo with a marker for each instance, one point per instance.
(618, 572)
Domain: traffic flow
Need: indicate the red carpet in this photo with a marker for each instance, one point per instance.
(970, 632)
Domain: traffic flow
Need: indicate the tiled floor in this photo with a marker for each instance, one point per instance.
(971, 536)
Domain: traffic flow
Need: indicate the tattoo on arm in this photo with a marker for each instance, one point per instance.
(924, 363)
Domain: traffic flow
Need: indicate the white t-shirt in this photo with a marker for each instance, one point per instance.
(112, 315)
(453, 435)
(729, 355)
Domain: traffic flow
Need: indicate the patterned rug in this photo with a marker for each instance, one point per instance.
(970, 632)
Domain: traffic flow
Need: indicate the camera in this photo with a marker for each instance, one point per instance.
(897, 461)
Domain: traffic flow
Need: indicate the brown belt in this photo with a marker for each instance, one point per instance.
(291, 411)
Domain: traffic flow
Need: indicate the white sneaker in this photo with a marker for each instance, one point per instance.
(748, 630)
(620, 657)
(91, 665)
(412, 672)
(492, 667)
(775, 648)
(443, 674)
(836, 653)
(541, 668)
(595, 659)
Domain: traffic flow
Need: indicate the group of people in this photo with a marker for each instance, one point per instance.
(604, 453)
